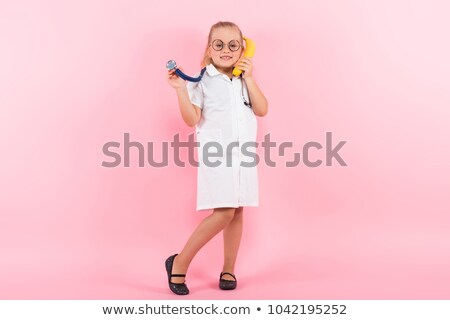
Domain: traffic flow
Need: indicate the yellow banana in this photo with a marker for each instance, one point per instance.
(248, 53)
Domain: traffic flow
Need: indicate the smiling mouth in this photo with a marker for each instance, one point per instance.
(226, 58)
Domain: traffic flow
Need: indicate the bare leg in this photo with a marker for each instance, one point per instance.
(231, 239)
(204, 232)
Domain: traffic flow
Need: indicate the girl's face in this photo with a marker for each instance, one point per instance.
(230, 39)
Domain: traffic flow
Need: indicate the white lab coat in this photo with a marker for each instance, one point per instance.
(225, 118)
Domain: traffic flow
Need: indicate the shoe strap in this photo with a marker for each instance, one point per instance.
(178, 275)
(223, 273)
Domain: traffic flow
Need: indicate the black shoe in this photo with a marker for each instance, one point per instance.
(178, 288)
(227, 284)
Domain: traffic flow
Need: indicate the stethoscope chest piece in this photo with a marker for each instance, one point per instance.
(171, 64)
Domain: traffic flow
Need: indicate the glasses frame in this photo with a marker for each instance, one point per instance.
(228, 45)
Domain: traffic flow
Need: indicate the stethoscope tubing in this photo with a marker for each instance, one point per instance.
(184, 76)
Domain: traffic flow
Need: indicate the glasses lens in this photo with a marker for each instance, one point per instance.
(217, 45)
(234, 45)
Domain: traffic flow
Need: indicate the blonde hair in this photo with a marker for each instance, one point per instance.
(221, 24)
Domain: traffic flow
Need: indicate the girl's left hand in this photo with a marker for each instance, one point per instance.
(246, 65)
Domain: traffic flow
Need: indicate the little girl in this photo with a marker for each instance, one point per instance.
(223, 108)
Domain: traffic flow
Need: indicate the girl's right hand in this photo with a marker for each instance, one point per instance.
(174, 80)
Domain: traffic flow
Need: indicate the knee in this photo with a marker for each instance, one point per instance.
(226, 214)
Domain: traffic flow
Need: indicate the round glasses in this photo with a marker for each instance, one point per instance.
(233, 45)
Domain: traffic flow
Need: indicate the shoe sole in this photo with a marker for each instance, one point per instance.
(224, 285)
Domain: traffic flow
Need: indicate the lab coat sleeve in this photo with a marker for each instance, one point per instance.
(195, 91)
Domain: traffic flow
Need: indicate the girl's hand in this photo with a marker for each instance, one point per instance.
(246, 65)
(174, 80)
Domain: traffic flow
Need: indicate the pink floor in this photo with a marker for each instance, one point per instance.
(406, 269)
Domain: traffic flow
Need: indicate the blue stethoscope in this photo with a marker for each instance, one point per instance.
(171, 64)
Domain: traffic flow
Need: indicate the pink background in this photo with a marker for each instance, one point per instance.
(75, 75)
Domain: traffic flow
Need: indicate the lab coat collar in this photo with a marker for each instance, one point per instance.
(212, 71)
